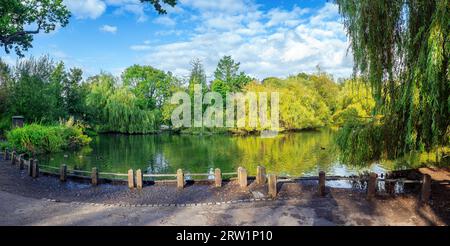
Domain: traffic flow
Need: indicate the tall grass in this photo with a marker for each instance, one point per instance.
(37, 139)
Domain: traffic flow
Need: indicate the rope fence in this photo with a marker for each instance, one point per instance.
(135, 179)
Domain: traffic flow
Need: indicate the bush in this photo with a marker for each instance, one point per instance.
(37, 139)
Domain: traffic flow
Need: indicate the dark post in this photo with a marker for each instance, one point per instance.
(13, 158)
(63, 172)
(21, 163)
(322, 183)
(389, 186)
(5, 156)
(30, 167)
(35, 169)
(426, 188)
(372, 186)
(94, 176)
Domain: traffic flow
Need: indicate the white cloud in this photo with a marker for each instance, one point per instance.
(276, 42)
(84, 9)
(140, 47)
(165, 20)
(108, 28)
(134, 7)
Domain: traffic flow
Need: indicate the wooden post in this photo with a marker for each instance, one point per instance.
(218, 177)
(30, 167)
(426, 188)
(94, 176)
(372, 186)
(260, 175)
(242, 174)
(139, 179)
(13, 157)
(63, 173)
(180, 179)
(5, 157)
(389, 186)
(35, 169)
(21, 163)
(272, 185)
(322, 183)
(130, 179)
(239, 173)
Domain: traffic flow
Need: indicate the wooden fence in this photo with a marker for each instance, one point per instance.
(136, 179)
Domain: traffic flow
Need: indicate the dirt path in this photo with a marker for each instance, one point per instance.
(19, 210)
(25, 201)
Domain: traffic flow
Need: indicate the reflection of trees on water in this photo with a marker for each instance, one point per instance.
(295, 154)
(158, 164)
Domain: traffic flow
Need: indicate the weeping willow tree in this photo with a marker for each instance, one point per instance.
(401, 47)
(114, 108)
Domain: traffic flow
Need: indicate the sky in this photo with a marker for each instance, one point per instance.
(269, 38)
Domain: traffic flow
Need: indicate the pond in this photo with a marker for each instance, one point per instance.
(293, 154)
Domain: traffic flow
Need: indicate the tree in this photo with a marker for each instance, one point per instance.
(197, 76)
(402, 48)
(158, 6)
(114, 108)
(227, 69)
(227, 77)
(150, 85)
(37, 15)
(73, 94)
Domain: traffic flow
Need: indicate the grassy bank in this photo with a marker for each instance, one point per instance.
(38, 139)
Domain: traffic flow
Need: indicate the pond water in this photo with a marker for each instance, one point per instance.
(293, 154)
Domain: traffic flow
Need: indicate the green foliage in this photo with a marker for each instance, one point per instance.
(158, 4)
(360, 143)
(34, 90)
(227, 77)
(151, 86)
(117, 109)
(402, 48)
(36, 139)
(355, 103)
(197, 77)
(302, 106)
(38, 15)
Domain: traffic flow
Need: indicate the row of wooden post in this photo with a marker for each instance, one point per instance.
(32, 165)
(136, 180)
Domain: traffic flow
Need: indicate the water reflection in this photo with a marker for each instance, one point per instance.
(294, 154)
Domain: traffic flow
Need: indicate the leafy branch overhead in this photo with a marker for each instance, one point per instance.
(20, 20)
(158, 4)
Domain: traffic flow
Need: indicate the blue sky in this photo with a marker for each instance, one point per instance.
(269, 38)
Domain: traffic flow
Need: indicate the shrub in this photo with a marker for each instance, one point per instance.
(37, 139)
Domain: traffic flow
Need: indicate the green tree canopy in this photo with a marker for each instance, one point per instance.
(150, 85)
(402, 48)
(227, 77)
(20, 20)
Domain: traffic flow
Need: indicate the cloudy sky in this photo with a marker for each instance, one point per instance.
(269, 38)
